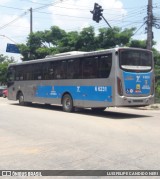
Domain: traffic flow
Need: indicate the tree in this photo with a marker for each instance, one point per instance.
(156, 55)
(25, 51)
(56, 40)
(108, 38)
(138, 44)
(86, 40)
(69, 42)
(40, 44)
(57, 35)
(4, 62)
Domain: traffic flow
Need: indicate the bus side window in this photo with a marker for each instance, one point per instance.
(50, 70)
(105, 63)
(19, 75)
(59, 69)
(53, 70)
(29, 72)
(89, 67)
(56, 70)
(63, 69)
(37, 71)
(11, 74)
(73, 69)
(46, 70)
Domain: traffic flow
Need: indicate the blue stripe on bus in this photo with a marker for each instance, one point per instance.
(91, 93)
(137, 83)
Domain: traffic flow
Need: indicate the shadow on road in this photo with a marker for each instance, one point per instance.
(112, 114)
(106, 114)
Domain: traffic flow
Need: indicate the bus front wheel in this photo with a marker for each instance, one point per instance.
(21, 99)
(67, 103)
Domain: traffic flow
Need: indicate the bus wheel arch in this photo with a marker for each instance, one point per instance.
(67, 102)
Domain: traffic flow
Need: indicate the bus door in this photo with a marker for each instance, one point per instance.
(10, 82)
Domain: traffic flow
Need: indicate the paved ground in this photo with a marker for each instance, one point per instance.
(39, 137)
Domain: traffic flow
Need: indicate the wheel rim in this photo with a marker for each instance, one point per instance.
(67, 103)
(21, 99)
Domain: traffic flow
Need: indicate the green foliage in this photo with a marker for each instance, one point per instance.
(56, 40)
(86, 39)
(108, 38)
(138, 44)
(4, 62)
(69, 42)
(25, 51)
(157, 73)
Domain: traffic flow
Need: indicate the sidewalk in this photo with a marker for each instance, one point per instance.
(155, 106)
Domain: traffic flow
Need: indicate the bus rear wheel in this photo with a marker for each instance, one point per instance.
(98, 109)
(67, 103)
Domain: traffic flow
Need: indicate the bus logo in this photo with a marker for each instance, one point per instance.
(78, 89)
(138, 88)
(138, 78)
(131, 90)
(53, 92)
(146, 82)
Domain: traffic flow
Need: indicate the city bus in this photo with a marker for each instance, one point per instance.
(99, 79)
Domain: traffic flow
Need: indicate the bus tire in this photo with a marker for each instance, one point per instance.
(98, 109)
(21, 99)
(67, 103)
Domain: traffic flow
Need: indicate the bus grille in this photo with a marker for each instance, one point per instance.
(138, 101)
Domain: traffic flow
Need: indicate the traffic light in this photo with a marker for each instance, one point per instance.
(97, 12)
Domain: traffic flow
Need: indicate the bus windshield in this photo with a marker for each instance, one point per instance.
(135, 60)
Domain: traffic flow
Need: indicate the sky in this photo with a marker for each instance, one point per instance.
(70, 15)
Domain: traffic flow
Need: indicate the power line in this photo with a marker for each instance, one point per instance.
(11, 22)
(139, 28)
(119, 20)
(115, 15)
(8, 38)
(47, 5)
(30, 1)
(34, 2)
(23, 14)
(66, 8)
(8, 7)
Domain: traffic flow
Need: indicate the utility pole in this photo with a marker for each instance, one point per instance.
(31, 21)
(31, 31)
(149, 25)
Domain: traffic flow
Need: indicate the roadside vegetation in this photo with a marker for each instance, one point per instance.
(4, 62)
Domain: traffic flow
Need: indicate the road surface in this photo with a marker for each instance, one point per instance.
(40, 137)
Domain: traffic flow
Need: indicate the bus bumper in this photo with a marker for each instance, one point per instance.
(135, 101)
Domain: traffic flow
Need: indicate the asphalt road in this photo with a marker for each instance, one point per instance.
(38, 137)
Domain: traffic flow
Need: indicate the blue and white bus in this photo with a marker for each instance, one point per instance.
(96, 80)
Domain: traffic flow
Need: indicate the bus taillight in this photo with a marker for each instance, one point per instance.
(119, 86)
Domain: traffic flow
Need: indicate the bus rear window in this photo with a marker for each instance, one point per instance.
(135, 60)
